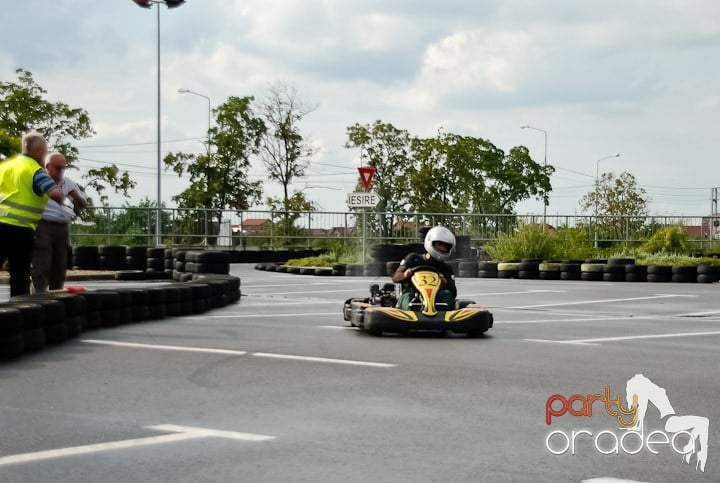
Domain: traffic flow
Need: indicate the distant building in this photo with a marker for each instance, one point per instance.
(252, 226)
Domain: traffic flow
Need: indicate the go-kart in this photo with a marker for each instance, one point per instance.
(377, 314)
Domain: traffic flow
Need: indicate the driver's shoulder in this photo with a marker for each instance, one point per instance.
(413, 259)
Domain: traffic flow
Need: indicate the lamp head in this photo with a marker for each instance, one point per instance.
(183, 91)
(143, 3)
(174, 3)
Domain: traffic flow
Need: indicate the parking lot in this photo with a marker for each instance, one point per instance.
(278, 388)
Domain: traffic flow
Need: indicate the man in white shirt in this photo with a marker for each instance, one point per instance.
(52, 236)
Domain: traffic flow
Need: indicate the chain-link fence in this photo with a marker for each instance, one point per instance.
(271, 230)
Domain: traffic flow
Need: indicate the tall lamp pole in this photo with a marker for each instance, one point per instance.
(545, 200)
(597, 190)
(209, 152)
(158, 212)
(188, 91)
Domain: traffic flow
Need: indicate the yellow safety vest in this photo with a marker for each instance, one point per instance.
(19, 205)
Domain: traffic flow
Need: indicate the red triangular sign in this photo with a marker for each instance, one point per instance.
(366, 176)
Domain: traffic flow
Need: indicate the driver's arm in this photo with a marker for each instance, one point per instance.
(402, 274)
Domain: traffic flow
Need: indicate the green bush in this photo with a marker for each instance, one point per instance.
(573, 243)
(528, 241)
(674, 259)
(669, 240)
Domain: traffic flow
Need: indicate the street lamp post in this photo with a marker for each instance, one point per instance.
(188, 91)
(545, 201)
(209, 152)
(597, 190)
(158, 212)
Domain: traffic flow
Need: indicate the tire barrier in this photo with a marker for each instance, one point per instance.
(613, 273)
(467, 269)
(684, 274)
(549, 270)
(85, 258)
(708, 273)
(529, 269)
(29, 323)
(659, 273)
(636, 273)
(595, 269)
(508, 269)
(487, 269)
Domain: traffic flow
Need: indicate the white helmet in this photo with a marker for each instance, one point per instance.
(439, 234)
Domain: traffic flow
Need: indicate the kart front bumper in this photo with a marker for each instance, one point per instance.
(467, 320)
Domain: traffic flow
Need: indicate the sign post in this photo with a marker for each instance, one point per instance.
(364, 200)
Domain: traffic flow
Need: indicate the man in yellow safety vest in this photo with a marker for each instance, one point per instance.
(25, 188)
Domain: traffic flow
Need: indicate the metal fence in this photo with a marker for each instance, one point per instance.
(280, 230)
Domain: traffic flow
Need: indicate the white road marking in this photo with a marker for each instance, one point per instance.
(180, 433)
(632, 337)
(322, 359)
(271, 294)
(607, 479)
(600, 301)
(219, 433)
(568, 342)
(206, 350)
(700, 314)
(239, 353)
(340, 327)
(540, 321)
(514, 293)
(337, 313)
(285, 285)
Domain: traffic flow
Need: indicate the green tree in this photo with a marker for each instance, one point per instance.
(387, 149)
(461, 174)
(285, 212)
(619, 203)
(9, 144)
(220, 180)
(285, 152)
(119, 181)
(23, 107)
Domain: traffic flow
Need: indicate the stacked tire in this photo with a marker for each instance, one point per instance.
(636, 273)
(85, 257)
(135, 258)
(197, 261)
(112, 257)
(684, 274)
(549, 270)
(570, 270)
(592, 271)
(12, 341)
(508, 269)
(708, 273)
(467, 269)
(487, 269)
(529, 269)
(659, 273)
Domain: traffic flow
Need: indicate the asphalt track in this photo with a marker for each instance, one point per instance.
(277, 388)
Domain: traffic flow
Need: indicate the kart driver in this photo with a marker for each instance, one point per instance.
(439, 241)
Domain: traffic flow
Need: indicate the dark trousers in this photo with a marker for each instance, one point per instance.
(16, 245)
(49, 261)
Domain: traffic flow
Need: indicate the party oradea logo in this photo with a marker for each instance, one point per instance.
(685, 435)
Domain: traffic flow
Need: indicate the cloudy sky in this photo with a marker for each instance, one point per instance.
(639, 78)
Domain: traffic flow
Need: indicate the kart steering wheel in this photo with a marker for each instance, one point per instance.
(426, 268)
